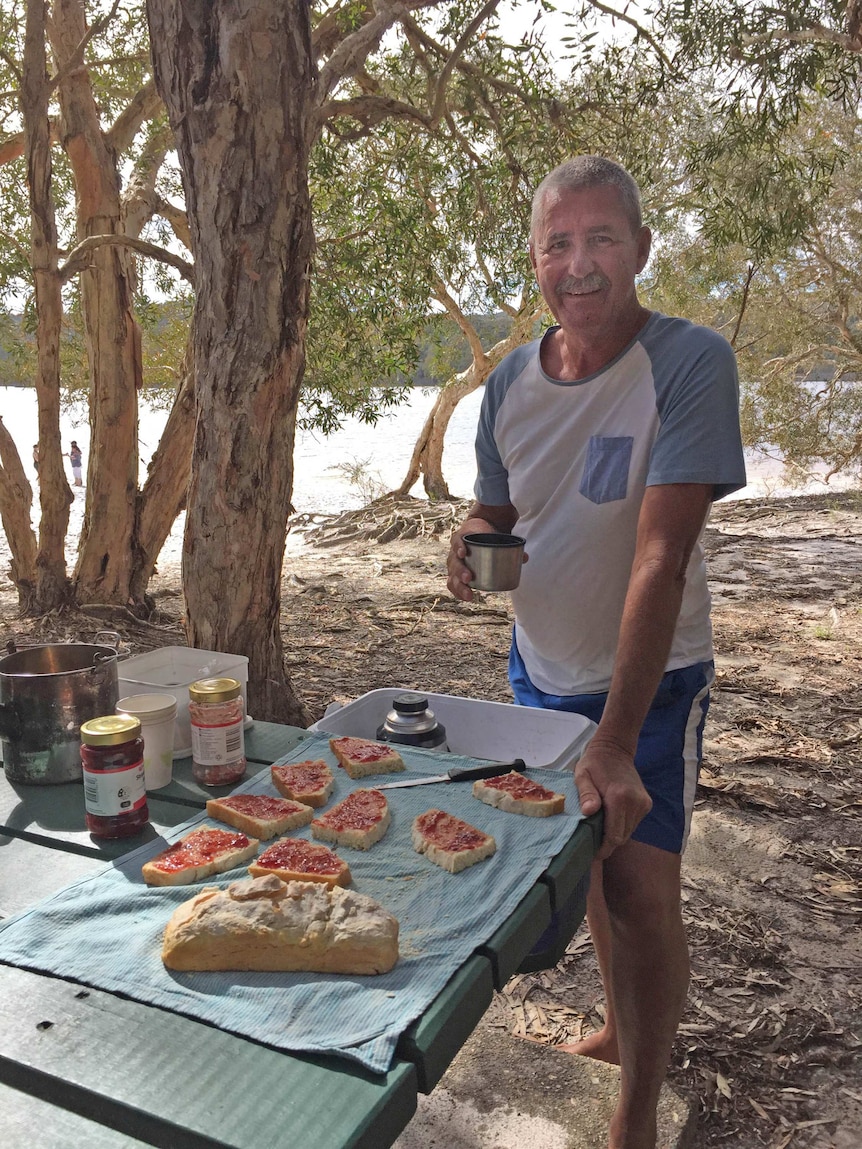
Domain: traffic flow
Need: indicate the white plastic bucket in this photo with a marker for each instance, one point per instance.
(156, 713)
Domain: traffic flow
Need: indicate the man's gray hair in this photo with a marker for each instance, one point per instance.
(589, 172)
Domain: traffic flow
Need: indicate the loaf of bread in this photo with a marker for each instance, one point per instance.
(200, 854)
(260, 814)
(267, 924)
(309, 782)
(449, 842)
(298, 860)
(359, 757)
(519, 795)
(357, 821)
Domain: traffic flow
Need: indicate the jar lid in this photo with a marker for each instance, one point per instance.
(110, 730)
(214, 690)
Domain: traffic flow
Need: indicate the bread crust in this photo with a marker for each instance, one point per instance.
(267, 924)
(537, 806)
(197, 855)
(270, 863)
(327, 829)
(288, 788)
(349, 752)
(438, 824)
(293, 814)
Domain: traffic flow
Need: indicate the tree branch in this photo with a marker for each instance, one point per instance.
(439, 103)
(79, 257)
(178, 218)
(815, 34)
(752, 271)
(142, 107)
(644, 33)
(351, 53)
(453, 310)
(327, 33)
(370, 110)
(13, 147)
(464, 66)
(76, 59)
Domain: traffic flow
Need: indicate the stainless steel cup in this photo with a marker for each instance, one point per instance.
(495, 560)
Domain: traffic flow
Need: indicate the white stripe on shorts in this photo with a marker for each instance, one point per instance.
(689, 754)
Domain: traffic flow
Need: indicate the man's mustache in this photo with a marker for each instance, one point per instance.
(573, 286)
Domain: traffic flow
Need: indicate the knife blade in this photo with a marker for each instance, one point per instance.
(464, 774)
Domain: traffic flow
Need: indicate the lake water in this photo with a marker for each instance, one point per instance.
(380, 454)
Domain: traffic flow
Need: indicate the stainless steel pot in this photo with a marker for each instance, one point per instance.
(46, 692)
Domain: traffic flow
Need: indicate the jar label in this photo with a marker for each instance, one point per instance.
(218, 745)
(108, 793)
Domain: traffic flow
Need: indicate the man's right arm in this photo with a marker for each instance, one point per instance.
(480, 519)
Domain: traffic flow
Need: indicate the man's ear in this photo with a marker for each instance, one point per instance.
(644, 247)
(532, 252)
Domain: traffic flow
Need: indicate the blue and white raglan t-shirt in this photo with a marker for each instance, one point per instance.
(575, 458)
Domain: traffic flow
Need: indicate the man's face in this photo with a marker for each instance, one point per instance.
(586, 257)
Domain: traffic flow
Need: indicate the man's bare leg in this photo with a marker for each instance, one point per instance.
(602, 1045)
(646, 977)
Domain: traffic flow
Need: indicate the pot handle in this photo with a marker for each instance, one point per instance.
(108, 638)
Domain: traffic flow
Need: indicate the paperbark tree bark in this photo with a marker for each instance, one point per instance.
(16, 499)
(163, 495)
(104, 567)
(238, 82)
(51, 584)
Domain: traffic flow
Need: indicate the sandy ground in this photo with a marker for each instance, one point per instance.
(770, 1049)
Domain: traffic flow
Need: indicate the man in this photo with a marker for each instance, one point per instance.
(75, 458)
(603, 444)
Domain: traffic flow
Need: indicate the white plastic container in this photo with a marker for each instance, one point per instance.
(172, 670)
(157, 715)
(498, 731)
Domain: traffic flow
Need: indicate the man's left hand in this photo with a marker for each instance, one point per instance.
(607, 780)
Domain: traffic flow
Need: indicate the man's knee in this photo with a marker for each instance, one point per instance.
(641, 886)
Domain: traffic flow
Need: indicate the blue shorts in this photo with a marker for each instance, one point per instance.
(670, 746)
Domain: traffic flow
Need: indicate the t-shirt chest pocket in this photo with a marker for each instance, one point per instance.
(606, 471)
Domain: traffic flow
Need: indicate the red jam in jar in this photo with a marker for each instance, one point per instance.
(115, 796)
(217, 718)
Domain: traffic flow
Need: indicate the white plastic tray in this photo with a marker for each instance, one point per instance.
(498, 731)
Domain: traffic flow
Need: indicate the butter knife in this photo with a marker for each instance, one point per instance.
(464, 774)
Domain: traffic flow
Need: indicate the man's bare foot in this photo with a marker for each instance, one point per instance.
(600, 1046)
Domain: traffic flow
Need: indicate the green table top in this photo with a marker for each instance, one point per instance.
(180, 1082)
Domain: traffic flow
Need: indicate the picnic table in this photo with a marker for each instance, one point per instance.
(80, 1066)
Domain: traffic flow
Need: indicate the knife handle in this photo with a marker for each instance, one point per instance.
(468, 773)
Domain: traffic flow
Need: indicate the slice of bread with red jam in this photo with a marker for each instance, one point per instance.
(309, 782)
(359, 757)
(203, 852)
(297, 860)
(519, 795)
(448, 842)
(260, 814)
(358, 821)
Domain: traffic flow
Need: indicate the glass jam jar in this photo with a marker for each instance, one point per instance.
(217, 716)
(112, 757)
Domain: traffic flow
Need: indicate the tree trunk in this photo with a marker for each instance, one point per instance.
(103, 571)
(52, 585)
(16, 499)
(427, 457)
(238, 80)
(164, 493)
